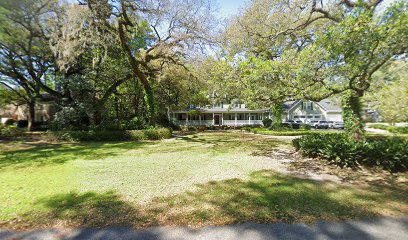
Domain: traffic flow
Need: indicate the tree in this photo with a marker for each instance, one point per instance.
(25, 58)
(389, 95)
(167, 29)
(329, 48)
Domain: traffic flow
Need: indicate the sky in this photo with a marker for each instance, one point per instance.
(230, 7)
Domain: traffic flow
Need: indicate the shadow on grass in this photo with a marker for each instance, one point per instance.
(42, 154)
(92, 209)
(266, 197)
(222, 142)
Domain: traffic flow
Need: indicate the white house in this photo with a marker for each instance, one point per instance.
(238, 115)
(220, 115)
(307, 111)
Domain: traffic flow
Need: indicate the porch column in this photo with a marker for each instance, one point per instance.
(249, 118)
(235, 119)
(222, 118)
(199, 118)
(187, 119)
(213, 119)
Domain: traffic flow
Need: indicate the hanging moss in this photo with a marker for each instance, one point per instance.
(151, 105)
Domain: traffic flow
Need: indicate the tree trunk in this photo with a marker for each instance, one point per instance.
(96, 116)
(352, 118)
(151, 106)
(277, 110)
(31, 115)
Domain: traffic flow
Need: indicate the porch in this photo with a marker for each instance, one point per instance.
(219, 119)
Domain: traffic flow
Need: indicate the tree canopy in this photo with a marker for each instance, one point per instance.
(114, 61)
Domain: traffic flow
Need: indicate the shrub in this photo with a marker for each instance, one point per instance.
(10, 131)
(134, 124)
(201, 128)
(401, 130)
(378, 126)
(191, 128)
(284, 132)
(392, 129)
(116, 135)
(267, 122)
(9, 122)
(390, 154)
(246, 128)
(210, 127)
(22, 123)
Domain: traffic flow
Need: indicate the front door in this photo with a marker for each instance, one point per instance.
(217, 120)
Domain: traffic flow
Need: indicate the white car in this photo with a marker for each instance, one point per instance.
(322, 124)
(338, 125)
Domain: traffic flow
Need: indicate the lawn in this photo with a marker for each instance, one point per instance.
(200, 179)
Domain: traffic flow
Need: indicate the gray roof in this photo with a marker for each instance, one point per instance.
(326, 104)
(329, 106)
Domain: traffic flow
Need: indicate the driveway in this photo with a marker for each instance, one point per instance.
(379, 228)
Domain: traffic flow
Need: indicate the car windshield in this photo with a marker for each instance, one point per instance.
(323, 122)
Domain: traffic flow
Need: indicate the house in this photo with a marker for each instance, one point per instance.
(44, 111)
(220, 114)
(307, 111)
(234, 114)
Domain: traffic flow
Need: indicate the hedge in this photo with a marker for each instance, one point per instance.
(392, 129)
(284, 131)
(391, 154)
(114, 135)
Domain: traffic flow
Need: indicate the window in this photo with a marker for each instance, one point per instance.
(219, 105)
(309, 116)
(307, 106)
(317, 116)
(303, 116)
(295, 116)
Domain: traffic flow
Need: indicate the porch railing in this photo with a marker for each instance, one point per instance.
(223, 123)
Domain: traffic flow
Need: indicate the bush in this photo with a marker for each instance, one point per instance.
(378, 126)
(390, 154)
(191, 128)
(267, 122)
(134, 124)
(9, 122)
(282, 132)
(210, 127)
(392, 129)
(10, 131)
(401, 130)
(116, 135)
(22, 123)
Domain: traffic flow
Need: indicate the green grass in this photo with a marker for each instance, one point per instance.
(291, 132)
(201, 179)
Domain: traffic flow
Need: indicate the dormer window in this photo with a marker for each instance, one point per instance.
(307, 106)
(219, 105)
